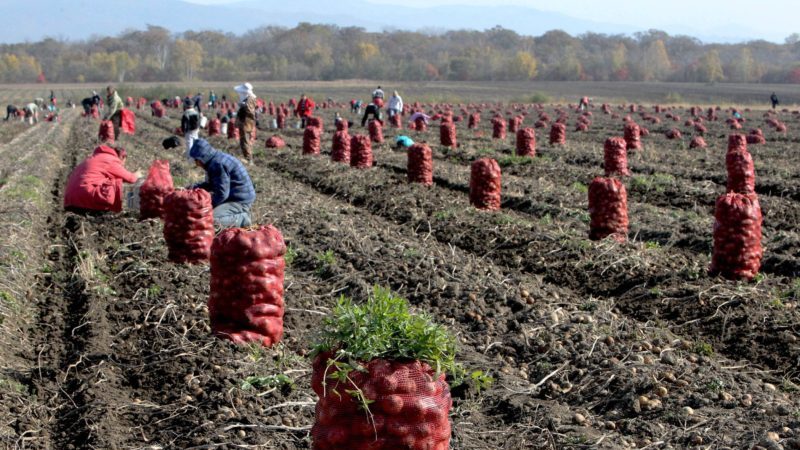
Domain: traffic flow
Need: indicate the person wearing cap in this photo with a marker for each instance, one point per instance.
(114, 107)
(96, 183)
(232, 191)
(190, 123)
(246, 118)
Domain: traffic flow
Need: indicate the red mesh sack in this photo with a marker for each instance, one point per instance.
(408, 409)
(526, 142)
(375, 131)
(700, 128)
(106, 131)
(128, 121)
(756, 138)
(485, 184)
(341, 125)
(498, 128)
(420, 164)
(94, 113)
(245, 303)
(474, 120)
(275, 141)
(188, 225)
(608, 209)
(311, 140)
(781, 127)
(447, 134)
(214, 125)
(581, 126)
(737, 236)
(395, 121)
(341, 147)
(280, 121)
(673, 134)
(698, 142)
(632, 136)
(360, 152)
(558, 134)
(233, 131)
(514, 123)
(420, 125)
(615, 157)
(271, 108)
(741, 173)
(314, 122)
(152, 192)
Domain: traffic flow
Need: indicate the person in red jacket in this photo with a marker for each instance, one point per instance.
(96, 183)
(305, 108)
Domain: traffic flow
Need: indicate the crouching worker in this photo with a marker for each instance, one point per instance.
(96, 183)
(232, 191)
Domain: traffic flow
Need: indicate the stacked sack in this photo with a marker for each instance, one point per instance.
(188, 225)
(154, 189)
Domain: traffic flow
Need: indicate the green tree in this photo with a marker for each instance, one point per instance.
(522, 66)
(744, 67)
(710, 69)
(656, 64)
(188, 56)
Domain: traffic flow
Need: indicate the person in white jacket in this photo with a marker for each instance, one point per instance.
(395, 105)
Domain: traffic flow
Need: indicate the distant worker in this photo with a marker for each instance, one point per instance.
(417, 115)
(305, 109)
(355, 106)
(31, 111)
(246, 118)
(53, 100)
(96, 183)
(212, 99)
(371, 110)
(198, 102)
(395, 105)
(114, 107)
(11, 111)
(232, 191)
(377, 97)
(584, 104)
(403, 142)
(190, 124)
(774, 99)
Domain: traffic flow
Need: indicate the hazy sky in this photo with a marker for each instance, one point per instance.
(770, 19)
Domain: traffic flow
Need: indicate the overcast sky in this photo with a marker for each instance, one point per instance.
(767, 19)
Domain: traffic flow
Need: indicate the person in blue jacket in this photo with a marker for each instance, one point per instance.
(232, 191)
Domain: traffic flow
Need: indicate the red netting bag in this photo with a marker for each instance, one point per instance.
(311, 141)
(485, 184)
(94, 113)
(280, 120)
(756, 137)
(474, 120)
(245, 303)
(741, 173)
(700, 128)
(271, 108)
(214, 125)
(419, 125)
(233, 130)
(157, 109)
(315, 122)
(341, 125)
(558, 134)
(275, 141)
(127, 121)
(152, 192)
(514, 123)
(581, 127)
(420, 164)
(698, 142)
(608, 209)
(673, 134)
(615, 157)
(188, 225)
(526, 142)
(360, 152)
(375, 131)
(341, 147)
(632, 134)
(106, 131)
(737, 236)
(498, 128)
(408, 409)
(447, 134)
(396, 121)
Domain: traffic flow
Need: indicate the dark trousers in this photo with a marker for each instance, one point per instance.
(116, 119)
(11, 111)
(373, 111)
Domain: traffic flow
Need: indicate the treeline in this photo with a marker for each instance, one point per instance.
(326, 52)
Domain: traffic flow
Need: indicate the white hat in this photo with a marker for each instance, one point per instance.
(246, 88)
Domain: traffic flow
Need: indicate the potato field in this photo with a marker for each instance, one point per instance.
(565, 341)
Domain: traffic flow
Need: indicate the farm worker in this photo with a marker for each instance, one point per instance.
(403, 142)
(198, 102)
(584, 103)
(96, 183)
(413, 118)
(774, 99)
(223, 120)
(11, 111)
(246, 118)
(190, 124)
(232, 191)
(53, 99)
(736, 114)
(395, 105)
(377, 96)
(304, 109)
(88, 102)
(114, 109)
(212, 98)
(31, 113)
(373, 110)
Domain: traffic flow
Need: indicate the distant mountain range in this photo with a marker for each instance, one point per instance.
(34, 20)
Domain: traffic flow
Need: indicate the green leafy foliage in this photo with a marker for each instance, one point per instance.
(270, 381)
